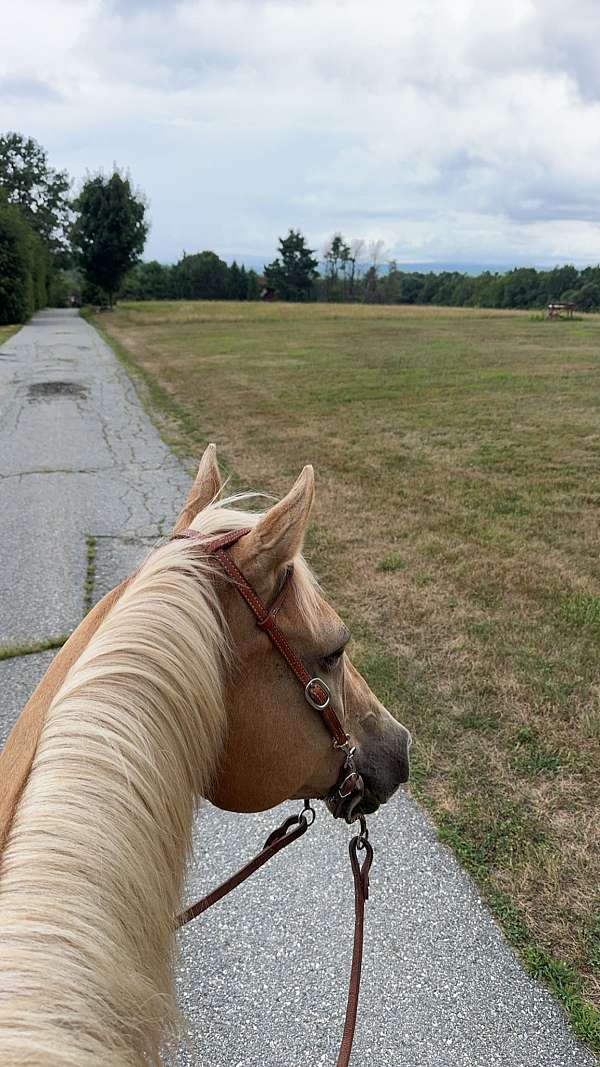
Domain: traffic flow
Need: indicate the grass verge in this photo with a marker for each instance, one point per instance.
(10, 651)
(457, 513)
(6, 332)
(90, 573)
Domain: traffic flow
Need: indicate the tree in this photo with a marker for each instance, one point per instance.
(357, 247)
(40, 193)
(337, 257)
(147, 281)
(238, 282)
(376, 251)
(252, 285)
(292, 275)
(202, 276)
(585, 299)
(110, 232)
(23, 267)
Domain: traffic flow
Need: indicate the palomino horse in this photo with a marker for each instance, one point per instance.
(167, 692)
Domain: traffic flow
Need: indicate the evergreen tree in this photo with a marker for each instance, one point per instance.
(252, 286)
(243, 291)
(237, 282)
(292, 274)
(110, 232)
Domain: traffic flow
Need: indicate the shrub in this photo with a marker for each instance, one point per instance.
(23, 267)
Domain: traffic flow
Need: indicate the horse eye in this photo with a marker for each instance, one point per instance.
(332, 660)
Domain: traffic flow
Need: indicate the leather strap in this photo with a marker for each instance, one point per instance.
(265, 619)
(266, 622)
(289, 831)
(360, 872)
(343, 801)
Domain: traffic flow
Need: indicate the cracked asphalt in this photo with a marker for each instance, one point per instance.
(262, 977)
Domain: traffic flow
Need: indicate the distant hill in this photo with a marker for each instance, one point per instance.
(257, 263)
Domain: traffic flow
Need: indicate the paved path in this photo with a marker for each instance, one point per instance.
(263, 976)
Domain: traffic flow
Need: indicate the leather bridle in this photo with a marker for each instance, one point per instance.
(346, 796)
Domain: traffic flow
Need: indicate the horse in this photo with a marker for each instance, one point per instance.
(164, 695)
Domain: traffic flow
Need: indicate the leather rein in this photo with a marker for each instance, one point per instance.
(344, 799)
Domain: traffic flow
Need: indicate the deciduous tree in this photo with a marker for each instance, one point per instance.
(111, 229)
(40, 193)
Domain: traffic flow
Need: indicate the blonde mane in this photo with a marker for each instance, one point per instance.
(93, 866)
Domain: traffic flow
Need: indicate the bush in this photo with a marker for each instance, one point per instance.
(23, 268)
(93, 294)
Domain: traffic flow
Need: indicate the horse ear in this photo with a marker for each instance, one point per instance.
(207, 485)
(280, 533)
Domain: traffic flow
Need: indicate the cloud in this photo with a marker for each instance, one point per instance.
(463, 131)
(25, 88)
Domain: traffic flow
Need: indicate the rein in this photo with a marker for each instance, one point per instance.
(343, 801)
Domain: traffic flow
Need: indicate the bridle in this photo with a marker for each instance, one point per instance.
(343, 801)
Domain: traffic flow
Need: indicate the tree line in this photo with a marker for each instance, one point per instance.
(357, 272)
(56, 248)
(200, 276)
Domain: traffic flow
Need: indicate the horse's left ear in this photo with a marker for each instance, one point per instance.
(279, 535)
(207, 485)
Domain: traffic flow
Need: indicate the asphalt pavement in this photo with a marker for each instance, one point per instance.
(263, 976)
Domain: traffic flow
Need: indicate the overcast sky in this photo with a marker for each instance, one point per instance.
(456, 130)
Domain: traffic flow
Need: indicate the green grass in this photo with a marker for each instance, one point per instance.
(90, 572)
(393, 562)
(457, 455)
(10, 651)
(6, 332)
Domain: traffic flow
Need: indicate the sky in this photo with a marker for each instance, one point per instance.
(463, 131)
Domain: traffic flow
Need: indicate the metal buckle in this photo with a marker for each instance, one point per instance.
(314, 703)
(348, 785)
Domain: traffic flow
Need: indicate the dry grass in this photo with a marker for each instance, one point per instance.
(457, 458)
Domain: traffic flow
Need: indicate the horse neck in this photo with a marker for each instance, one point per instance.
(93, 867)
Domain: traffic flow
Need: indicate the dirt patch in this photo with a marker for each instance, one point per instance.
(40, 391)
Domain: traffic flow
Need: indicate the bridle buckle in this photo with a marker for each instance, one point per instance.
(315, 703)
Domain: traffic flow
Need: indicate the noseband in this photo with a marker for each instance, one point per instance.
(343, 801)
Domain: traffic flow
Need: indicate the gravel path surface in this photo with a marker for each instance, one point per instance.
(263, 976)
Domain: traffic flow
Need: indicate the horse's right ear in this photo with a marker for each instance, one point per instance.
(279, 535)
(207, 485)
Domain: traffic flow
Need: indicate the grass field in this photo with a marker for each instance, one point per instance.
(457, 456)
(6, 332)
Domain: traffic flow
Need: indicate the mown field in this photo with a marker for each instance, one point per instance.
(457, 456)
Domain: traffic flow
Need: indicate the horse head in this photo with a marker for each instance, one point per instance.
(277, 746)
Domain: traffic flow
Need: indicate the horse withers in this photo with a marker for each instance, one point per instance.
(166, 693)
